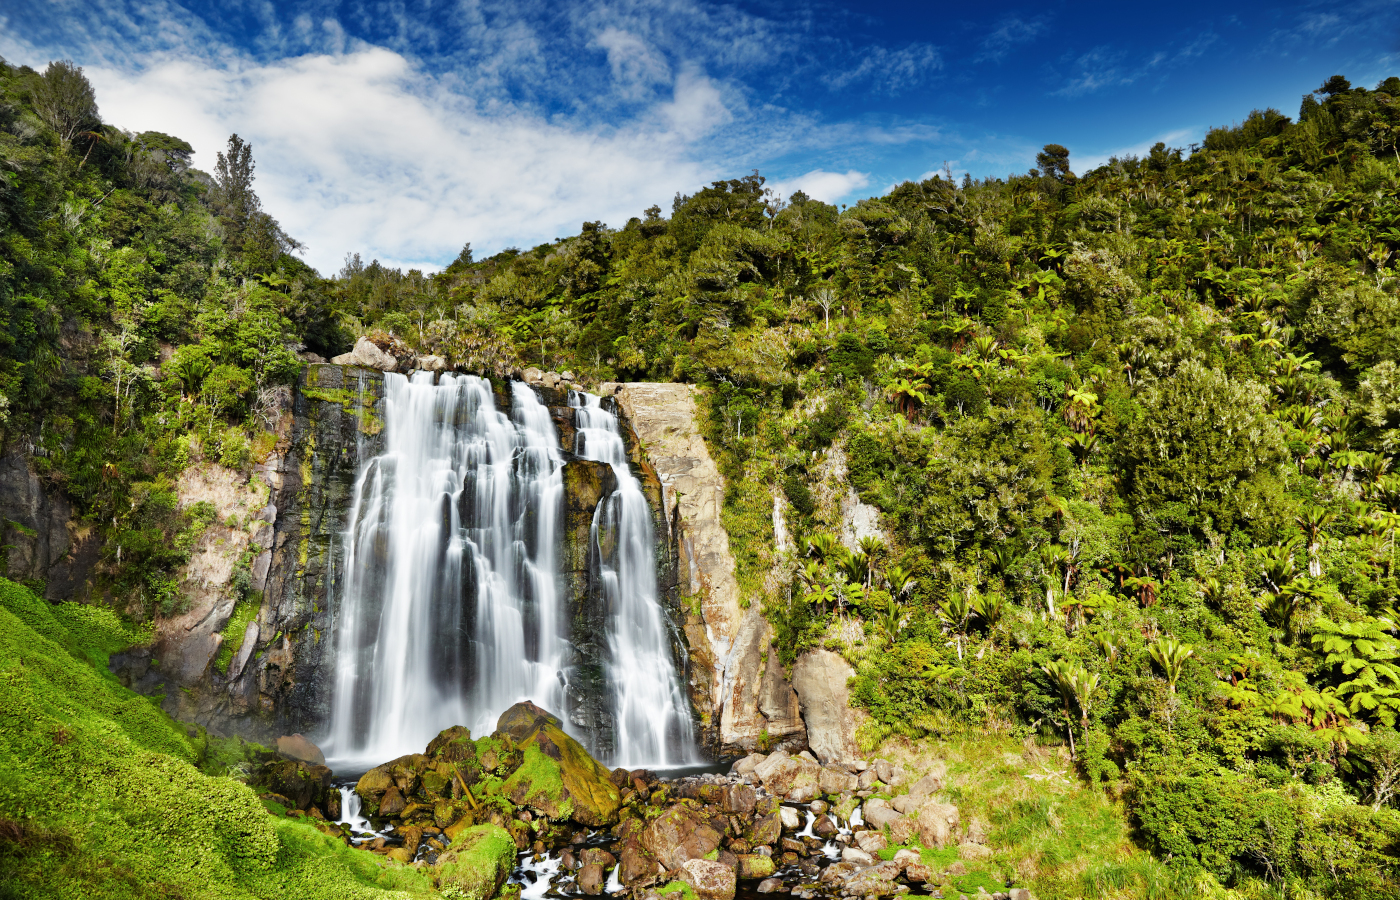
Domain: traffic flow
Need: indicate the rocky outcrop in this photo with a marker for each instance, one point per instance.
(820, 679)
(41, 543)
(294, 508)
(736, 682)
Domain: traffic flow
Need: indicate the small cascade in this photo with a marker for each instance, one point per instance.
(651, 716)
(360, 827)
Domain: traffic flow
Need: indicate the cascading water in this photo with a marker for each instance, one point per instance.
(650, 714)
(451, 606)
(422, 641)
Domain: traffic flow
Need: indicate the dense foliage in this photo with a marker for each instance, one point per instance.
(1131, 433)
(100, 796)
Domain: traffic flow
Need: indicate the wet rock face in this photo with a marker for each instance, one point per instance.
(40, 540)
(734, 679)
(282, 683)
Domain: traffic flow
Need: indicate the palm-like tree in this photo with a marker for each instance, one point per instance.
(1171, 656)
(1312, 520)
(1075, 684)
(990, 608)
(908, 396)
(900, 580)
(823, 546)
(1082, 444)
(892, 621)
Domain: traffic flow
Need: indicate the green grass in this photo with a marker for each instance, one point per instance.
(1051, 833)
(100, 797)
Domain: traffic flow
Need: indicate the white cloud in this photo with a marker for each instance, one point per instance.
(363, 152)
(828, 187)
(636, 67)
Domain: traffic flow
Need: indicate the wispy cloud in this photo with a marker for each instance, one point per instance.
(889, 70)
(1107, 67)
(1010, 32)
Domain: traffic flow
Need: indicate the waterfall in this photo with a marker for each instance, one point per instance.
(651, 717)
(424, 641)
(451, 605)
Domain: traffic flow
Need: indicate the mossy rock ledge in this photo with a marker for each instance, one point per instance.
(487, 798)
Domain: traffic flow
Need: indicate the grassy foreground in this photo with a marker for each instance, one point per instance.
(102, 795)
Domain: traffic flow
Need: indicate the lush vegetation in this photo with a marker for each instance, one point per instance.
(1131, 433)
(101, 796)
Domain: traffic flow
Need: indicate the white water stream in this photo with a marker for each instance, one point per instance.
(651, 715)
(451, 607)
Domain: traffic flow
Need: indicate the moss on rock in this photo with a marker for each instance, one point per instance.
(477, 863)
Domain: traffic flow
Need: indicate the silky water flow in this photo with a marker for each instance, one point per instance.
(651, 716)
(450, 606)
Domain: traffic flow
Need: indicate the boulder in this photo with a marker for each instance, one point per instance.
(557, 776)
(918, 872)
(857, 856)
(297, 747)
(368, 355)
(868, 780)
(478, 862)
(904, 830)
(937, 823)
(871, 842)
(905, 856)
(746, 765)
(432, 363)
(835, 781)
(680, 834)
(740, 800)
(710, 880)
(838, 872)
(591, 878)
(783, 775)
(393, 802)
(878, 879)
(878, 813)
(304, 784)
(770, 885)
(753, 866)
(931, 783)
(532, 376)
(792, 820)
(634, 864)
(823, 827)
(906, 804)
(820, 677)
(969, 850)
(884, 770)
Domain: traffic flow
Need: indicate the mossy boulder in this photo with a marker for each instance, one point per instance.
(477, 863)
(556, 776)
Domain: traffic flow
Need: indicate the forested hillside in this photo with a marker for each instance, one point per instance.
(1131, 433)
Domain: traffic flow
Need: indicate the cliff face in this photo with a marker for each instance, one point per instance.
(737, 685)
(272, 679)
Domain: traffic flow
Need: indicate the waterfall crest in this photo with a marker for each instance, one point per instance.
(451, 604)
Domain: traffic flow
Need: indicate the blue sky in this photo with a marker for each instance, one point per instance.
(401, 129)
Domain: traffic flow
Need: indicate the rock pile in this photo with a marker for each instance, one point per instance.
(464, 809)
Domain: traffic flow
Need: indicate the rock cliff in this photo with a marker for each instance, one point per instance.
(736, 683)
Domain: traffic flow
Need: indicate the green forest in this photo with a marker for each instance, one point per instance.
(1132, 433)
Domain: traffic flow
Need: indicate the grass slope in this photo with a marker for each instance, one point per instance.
(100, 796)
